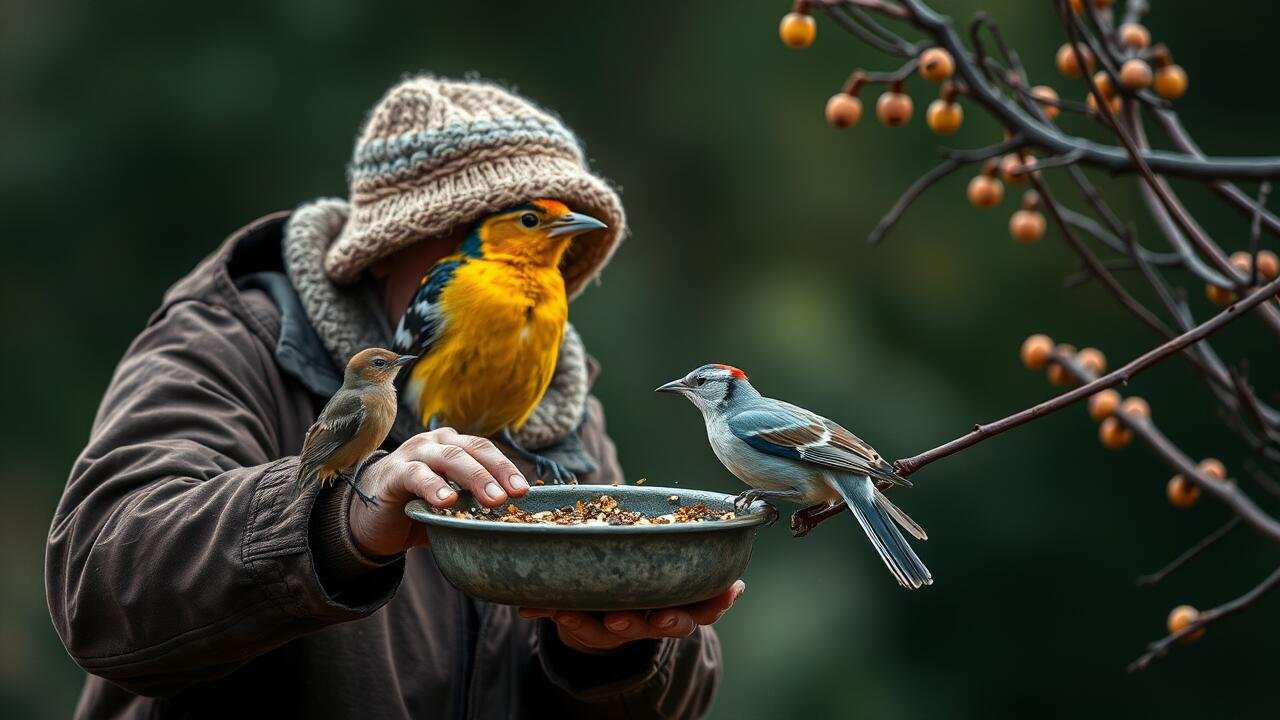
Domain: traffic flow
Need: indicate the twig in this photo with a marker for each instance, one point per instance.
(844, 17)
(1160, 647)
(1055, 142)
(1156, 577)
(1084, 274)
(1108, 280)
(1255, 231)
(1234, 196)
(954, 162)
(1119, 376)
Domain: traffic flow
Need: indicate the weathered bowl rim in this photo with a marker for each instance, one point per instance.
(757, 514)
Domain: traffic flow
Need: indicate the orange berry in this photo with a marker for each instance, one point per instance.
(894, 108)
(944, 117)
(936, 64)
(1103, 404)
(1057, 374)
(1135, 407)
(1181, 492)
(1219, 296)
(1008, 164)
(797, 30)
(1135, 36)
(1035, 351)
(1027, 226)
(1114, 435)
(985, 191)
(1091, 103)
(1066, 61)
(1093, 360)
(1135, 74)
(1171, 82)
(1182, 616)
(1105, 86)
(1047, 96)
(843, 111)
(1268, 264)
(1214, 468)
(1077, 6)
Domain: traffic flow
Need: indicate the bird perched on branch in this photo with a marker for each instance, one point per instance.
(785, 452)
(487, 323)
(355, 421)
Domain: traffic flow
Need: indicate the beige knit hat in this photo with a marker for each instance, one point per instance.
(436, 154)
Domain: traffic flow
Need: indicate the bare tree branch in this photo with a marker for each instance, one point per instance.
(1160, 647)
(1156, 577)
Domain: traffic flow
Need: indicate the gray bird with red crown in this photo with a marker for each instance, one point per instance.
(785, 452)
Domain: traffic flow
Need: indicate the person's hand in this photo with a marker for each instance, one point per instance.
(583, 631)
(417, 469)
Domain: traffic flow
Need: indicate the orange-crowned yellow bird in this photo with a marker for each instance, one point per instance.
(355, 421)
(487, 324)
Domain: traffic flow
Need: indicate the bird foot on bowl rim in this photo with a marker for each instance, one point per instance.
(743, 501)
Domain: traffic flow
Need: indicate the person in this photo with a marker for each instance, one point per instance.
(191, 575)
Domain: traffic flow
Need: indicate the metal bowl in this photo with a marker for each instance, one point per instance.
(595, 567)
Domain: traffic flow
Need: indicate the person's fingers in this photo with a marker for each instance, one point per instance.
(708, 611)
(535, 613)
(422, 481)
(457, 465)
(498, 465)
(626, 624)
(671, 622)
(585, 631)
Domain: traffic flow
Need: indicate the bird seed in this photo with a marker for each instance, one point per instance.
(603, 510)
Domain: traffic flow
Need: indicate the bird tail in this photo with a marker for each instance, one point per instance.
(877, 515)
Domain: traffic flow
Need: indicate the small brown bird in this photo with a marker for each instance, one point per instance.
(355, 421)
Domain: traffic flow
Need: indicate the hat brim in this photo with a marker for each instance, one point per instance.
(436, 205)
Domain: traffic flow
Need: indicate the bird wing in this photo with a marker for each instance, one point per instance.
(423, 321)
(337, 425)
(793, 432)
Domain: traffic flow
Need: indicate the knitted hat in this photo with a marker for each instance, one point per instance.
(436, 154)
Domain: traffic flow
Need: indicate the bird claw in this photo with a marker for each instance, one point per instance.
(368, 500)
(559, 473)
(744, 499)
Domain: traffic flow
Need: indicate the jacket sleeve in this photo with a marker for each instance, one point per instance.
(182, 545)
(650, 678)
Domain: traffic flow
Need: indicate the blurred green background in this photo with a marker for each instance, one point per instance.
(137, 135)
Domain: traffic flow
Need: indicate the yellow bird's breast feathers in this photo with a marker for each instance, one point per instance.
(497, 349)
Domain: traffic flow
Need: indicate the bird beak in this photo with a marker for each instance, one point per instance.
(675, 386)
(404, 360)
(573, 224)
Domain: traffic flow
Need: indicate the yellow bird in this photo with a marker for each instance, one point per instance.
(487, 323)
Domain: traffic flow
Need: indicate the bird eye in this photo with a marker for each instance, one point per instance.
(528, 220)
(700, 381)
(379, 363)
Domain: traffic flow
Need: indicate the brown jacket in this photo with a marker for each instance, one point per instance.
(191, 577)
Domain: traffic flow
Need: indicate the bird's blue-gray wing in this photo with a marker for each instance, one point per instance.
(423, 320)
(337, 425)
(792, 432)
